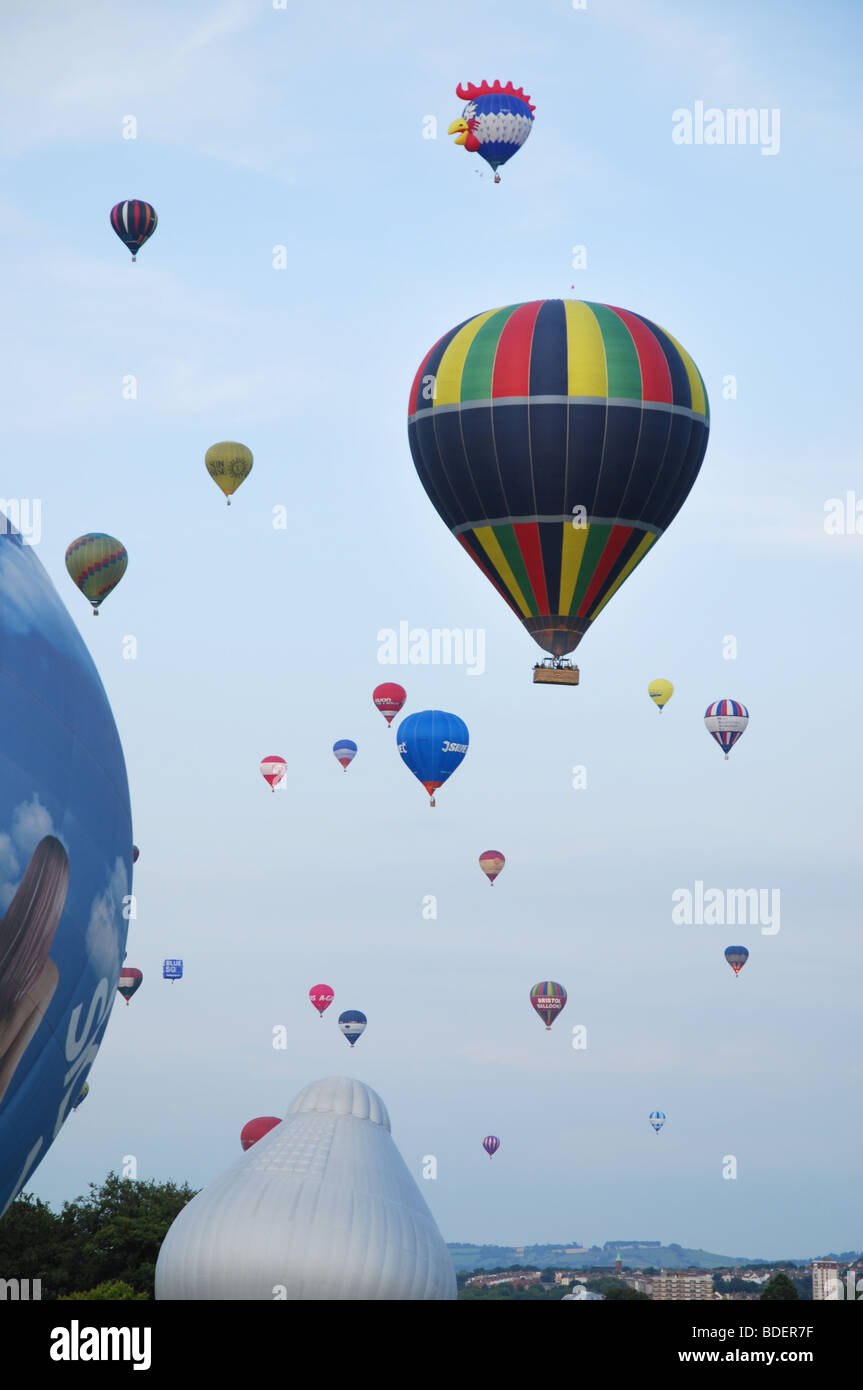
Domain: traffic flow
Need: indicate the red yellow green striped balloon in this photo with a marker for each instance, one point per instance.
(96, 563)
(557, 440)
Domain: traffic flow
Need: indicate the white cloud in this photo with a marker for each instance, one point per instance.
(103, 928)
(31, 822)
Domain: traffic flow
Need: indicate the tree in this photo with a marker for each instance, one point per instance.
(779, 1289)
(116, 1290)
(112, 1235)
(615, 1295)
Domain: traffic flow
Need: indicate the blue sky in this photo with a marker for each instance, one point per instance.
(260, 128)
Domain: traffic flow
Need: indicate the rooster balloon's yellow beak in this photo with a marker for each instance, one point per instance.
(460, 128)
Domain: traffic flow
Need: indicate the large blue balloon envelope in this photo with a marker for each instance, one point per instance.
(65, 866)
(352, 1024)
(432, 744)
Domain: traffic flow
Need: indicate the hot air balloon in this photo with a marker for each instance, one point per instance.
(389, 699)
(228, 464)
(352, 1024)
(557, 440)
(344, 752)
(256, 1129)
(130, 982)
(273, 769)
(321, 997)
(737, 956)
(66, 866)
(82, 1095)
(134, 222)
(657, 1119)
(491, 1144)
(96, 563)
(325, 1210)
(660, 693)
(135, 854)
(495, 123)
(726, 721)
(491, 862)
(548, 998)
(432, 744)
(172, 969)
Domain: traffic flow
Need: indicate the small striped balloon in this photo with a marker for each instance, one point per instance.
(491, 1144)
(273, 769)
(548, 999)
(726, 722)
(134, 221)
(737, 956)
(491, 861)
(344, 751)
(96, 563)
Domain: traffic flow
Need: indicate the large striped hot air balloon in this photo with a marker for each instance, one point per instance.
(548, 999)
(96, 563)
(134, 222)
(557, 440)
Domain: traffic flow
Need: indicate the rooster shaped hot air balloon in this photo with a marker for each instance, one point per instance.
(495, 122)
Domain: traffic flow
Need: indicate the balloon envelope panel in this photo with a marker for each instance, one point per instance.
(66, 865)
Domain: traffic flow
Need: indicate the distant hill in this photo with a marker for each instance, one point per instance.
(570, 1256)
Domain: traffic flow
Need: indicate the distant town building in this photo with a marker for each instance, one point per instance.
(825, 1280)
(519, 1278)
(684, 1284)
(581, 1295)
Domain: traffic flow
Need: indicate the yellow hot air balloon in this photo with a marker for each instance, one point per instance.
(660, 693)
(96, 563)
(228, 464)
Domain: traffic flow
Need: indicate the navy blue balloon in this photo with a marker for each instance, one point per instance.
(352, 1024)
(432, 744)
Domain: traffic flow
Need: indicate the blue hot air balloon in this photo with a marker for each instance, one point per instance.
(352, 1024)
(344, 751)
(432, 744)
(657, 1119)
(737, 956)
(66, 867)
